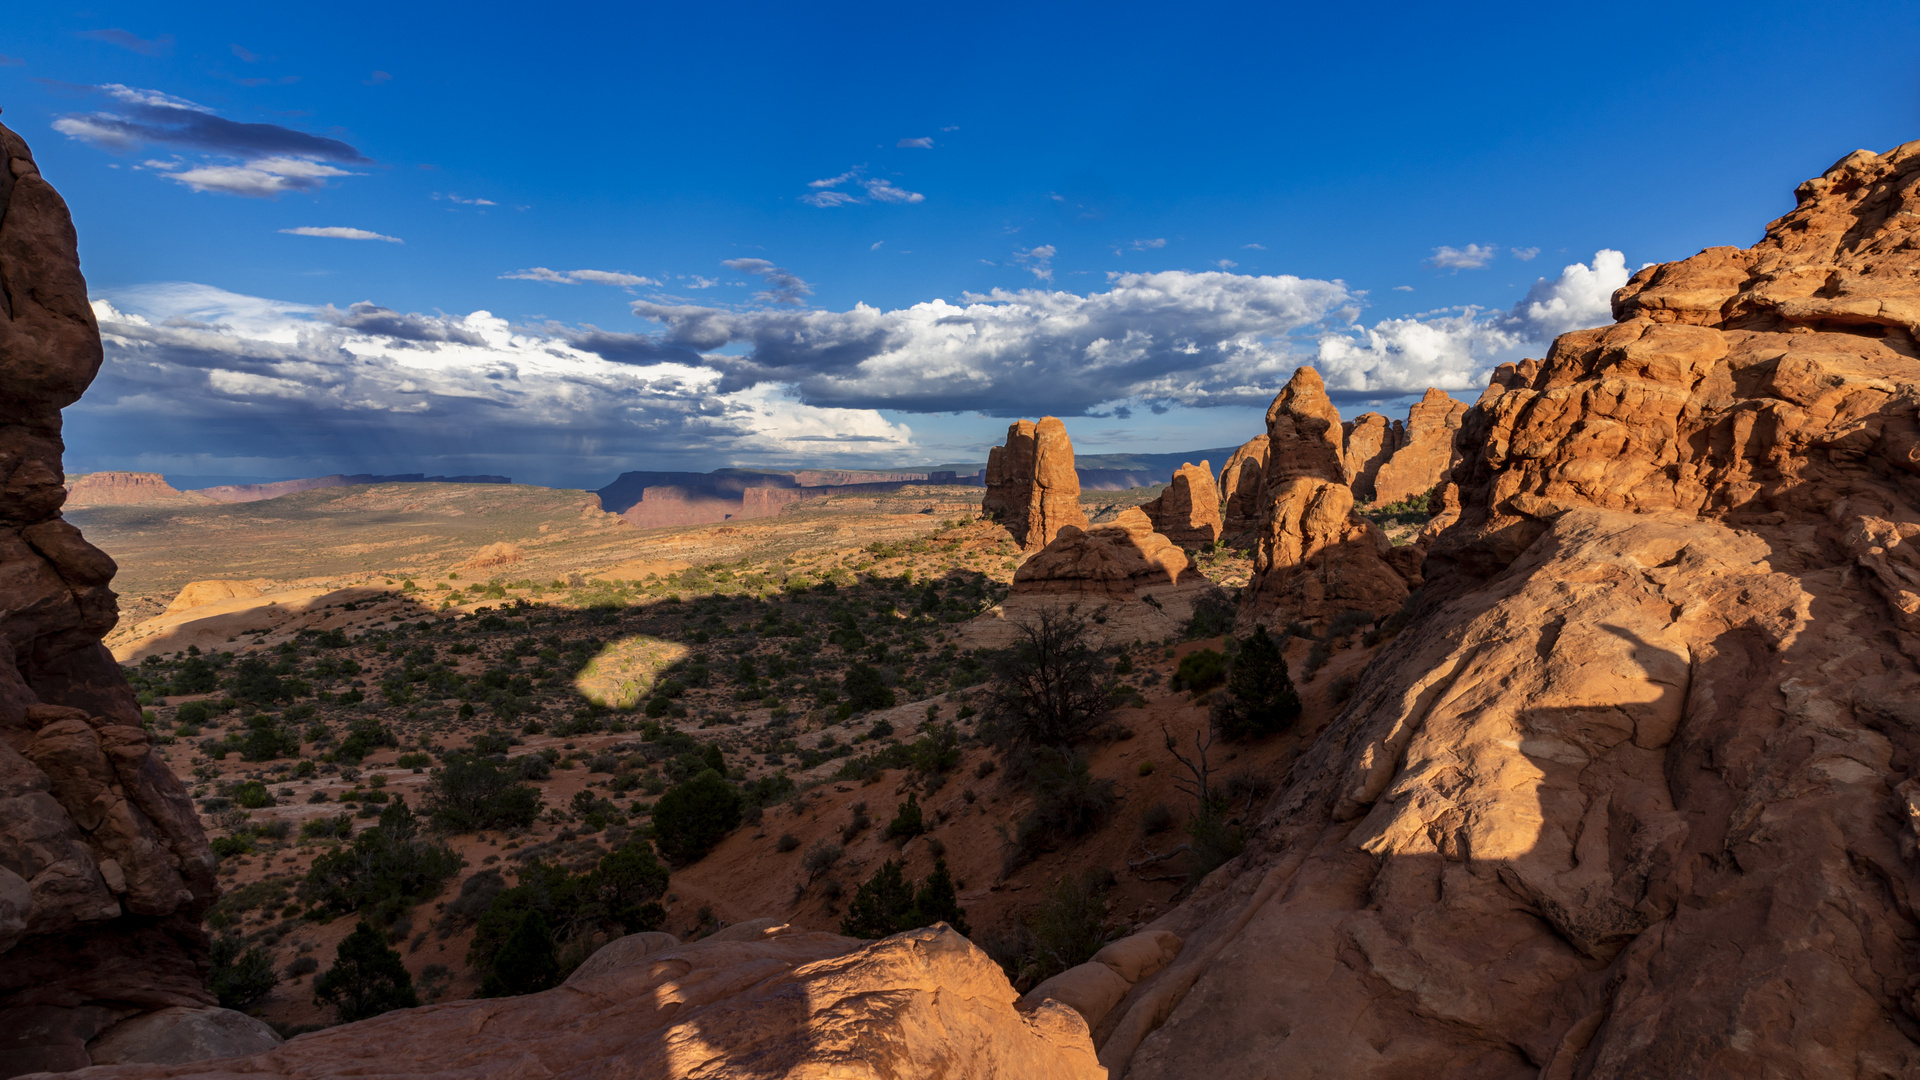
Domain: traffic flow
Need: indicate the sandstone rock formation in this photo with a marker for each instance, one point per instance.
(104, 872)
(1092, 989)
(1116, 558)
(201, 593)
(1371, 439)
(789, 1006)
(1032, 488)
(176, 1035)
(1425, 455)
(1240, 480)
(1188, 511)
(1634, 793)
(1313, 557)
(128, 489)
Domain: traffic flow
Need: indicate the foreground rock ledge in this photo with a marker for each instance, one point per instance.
(923, 1004)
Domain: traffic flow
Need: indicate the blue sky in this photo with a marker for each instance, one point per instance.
(869, 235)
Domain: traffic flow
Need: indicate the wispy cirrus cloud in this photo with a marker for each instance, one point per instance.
(922, 143)
(577, 277)
(252, 160)
(825, 193)
(132, 42)
(341, 232)
(783, 285)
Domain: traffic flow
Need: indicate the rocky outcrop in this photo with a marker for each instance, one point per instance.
(1426, 454)
(1188, 511)
(789, 1006)
(1116, 558)
(104, 872)
(1032, 488)
(128, 489)
(201, 593)
(1313, 556)
(1240, 480)
(1634, 792)
(1371, 439)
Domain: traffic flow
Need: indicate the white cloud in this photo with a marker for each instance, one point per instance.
(1471, 257)
(836, 181)
(264, 178)
(695, 281)
(575, 277)
(783, 285)
(1524, 254)
(1581, 297)
(1038, 261)
(825, 199)
(341, 232)
(1403, 288)
(922, 143)
(1150, 245)
(880, 190)
(192, 369)
(1225, 264)
(876, 245)
(1254, 247)
(465, 202)
(886, 192)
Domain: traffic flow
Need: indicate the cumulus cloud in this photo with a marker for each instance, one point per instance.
(341, 232)
(576, 277)
(195, 372)
(921, 143)
(1525, 254)
(271, 159)
(783, 285)
(1581, 297)
(1471, 257)
(1038, 261)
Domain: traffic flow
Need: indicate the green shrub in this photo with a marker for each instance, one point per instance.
(619, 896)
(907, 820)
(194, 713)
(693, 816)
(226, 847)
(240, 978)
(367, 978)
(251, 794)
(887, 903)
(328, 828)
(526, 962)
(266, 740)
(471, 794)
(1051, 685)
(866, 690)
(1213, 616)
(1260, 699)
(386, 868)
(1202, 669)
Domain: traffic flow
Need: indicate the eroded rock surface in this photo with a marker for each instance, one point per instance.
(1240, 480)
(1314, 557)
(1032, 488)
(1635, 793)
(1371, 440)
(1115, 558)
(104, 872)
(1188, 511)
(798, 1006)
(1426, 452)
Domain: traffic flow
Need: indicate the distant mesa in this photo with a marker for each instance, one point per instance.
(655, 500)
(152, 489)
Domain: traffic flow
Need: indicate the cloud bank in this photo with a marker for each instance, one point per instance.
(341, 232)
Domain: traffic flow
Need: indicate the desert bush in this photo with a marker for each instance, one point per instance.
(240, 976)
(266, 739)
(619, 896)
(1202, 669)
(860, 823)
(1064, 930)
(866, 689)
(907, 820)
(820, 858)
(1051, 685)
(367, 978)
(194, 713)
(527, 962)
(1068, 802)
(1157, 819)
(251, 794)
(887, 903)
(386, 869)
(693, 816)
(786, 843)
(327, 828)
(1213, 616)
(471, 794)
(531, 767)
(1260, 699)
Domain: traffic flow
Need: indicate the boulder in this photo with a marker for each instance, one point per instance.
(104, 871)
(1032, 487)
(1116, 558)
(1427, 453)
(621, 952)
(1188, 511)
(1240, 480)
(201, 593)
(1314, 557)
(177, 1036)
(798, 1006)
(1632, 792)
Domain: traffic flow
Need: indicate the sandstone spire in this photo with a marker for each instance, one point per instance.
(1426, 454)
(1240, 480)
(1032, 487)
(1188, 511)
(1371, 440)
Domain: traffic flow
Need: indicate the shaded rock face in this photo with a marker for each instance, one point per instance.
(104, 872)
(1371, 440)
(1188, 511)
(1032, 488)
(1635, 793)
(795, 1006)
(1313, 557)
(1117, 558)
(1240, 480)
(1426, 453)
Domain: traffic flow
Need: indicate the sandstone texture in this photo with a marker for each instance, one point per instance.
(1426, 454)
(177, 1035)
(196, 594)
(128, 489)
(1032, 487)
(104, 872)
(1635, 793)
(1116, 558)
(1371, 440)
(1188, 511)
(1240, 480)
(800, 1006)
(1313, 556)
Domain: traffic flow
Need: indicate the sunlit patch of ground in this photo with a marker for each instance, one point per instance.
(622, 673)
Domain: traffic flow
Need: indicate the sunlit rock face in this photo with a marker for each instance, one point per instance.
(1634, 793)
(1032, 487)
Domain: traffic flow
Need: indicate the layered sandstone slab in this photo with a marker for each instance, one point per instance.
(1117, 558)
(104, 872)
(790, 1006)
(1313, 556)
(1032, 487)
(1426, 453)
(1188, 511)
(128, 489)
(1636, 793)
